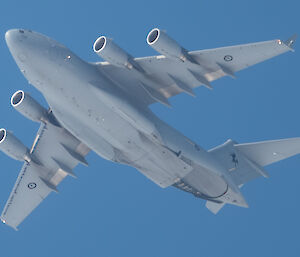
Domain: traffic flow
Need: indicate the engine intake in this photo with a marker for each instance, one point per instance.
(111, 52)
(12, 146)
(28, 107)
(114, 54)
(162, 43)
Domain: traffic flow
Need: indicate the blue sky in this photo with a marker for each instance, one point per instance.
(112, 210)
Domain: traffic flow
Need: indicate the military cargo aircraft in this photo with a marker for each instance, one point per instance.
(104, 107)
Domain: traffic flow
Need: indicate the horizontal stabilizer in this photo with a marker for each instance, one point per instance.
(267, 152)
(246, 162)
(214, 207)
(256, 167)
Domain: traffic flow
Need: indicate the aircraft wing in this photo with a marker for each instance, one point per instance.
(54, 154)
(163, 77)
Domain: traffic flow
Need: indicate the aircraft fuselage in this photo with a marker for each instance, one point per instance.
(98, 112)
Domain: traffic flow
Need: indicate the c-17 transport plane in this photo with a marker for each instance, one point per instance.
(104, 107)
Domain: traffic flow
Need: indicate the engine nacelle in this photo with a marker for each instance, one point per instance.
(12, 146)
(162, 43)
(28, 107)
(111, 52)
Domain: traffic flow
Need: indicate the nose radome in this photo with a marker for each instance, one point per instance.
(8, 34)
(12, 35)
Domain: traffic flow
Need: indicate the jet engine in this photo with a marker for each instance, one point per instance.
(28, 107)
(12, 146)
(114, 54)
(162, 43)
(111, 52)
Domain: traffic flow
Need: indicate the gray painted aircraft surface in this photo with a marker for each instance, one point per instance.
(104, 107)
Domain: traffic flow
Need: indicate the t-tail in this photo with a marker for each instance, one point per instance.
(245, 162)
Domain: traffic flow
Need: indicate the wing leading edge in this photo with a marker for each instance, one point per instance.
(55, 153)
(165, 77)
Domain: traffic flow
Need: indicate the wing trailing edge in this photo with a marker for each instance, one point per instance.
(49, 165)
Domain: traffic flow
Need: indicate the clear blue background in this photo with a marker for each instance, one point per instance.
(113, 210)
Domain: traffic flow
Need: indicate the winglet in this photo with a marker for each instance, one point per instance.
(291, 41)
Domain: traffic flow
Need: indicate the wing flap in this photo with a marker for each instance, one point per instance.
(29, 191)
(210, 65)
(240, 57)
(51, 164)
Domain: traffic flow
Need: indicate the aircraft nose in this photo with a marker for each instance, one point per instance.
(14, 37)
(10, 35)
(13, 34)
(18, 44)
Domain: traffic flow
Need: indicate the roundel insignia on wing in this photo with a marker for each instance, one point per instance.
(228, 58)
(31, 185)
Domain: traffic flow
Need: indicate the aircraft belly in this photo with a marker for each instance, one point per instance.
(97, 124)
(137, 150)
(160, 164)
(95, 142)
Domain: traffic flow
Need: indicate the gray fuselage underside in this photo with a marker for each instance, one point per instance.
(118, 128)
